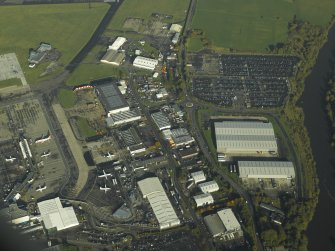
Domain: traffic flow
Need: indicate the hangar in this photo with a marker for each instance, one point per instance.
(111, 98)
(152, 189)
(55, 216)
(145, 63)
(246, 138)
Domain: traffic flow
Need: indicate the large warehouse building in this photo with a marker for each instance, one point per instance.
(203, 199)
(152, 189)
(145, 63)
(121, 118)
(161, 120)
(111, 98)
(55, 216)
(266, 170)
(224, 225)
(248, 138)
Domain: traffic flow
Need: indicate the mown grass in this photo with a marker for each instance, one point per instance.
(67, 98)
(84, 128)
(254, 25)
(10, 82)
(66, 27)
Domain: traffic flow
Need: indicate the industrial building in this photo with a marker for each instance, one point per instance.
(181, 137)
(55, 216)
(119, 41)
(131, 140)
(209, 186)
(145, 63)
(161, 120)
(111, 98)
(198, 177)
(224, 225)
(153, 190)
(247, 138)
(175, 38)
(124, 117)
(113, 57)
(266, 170)
(176, 28)
(203, 199)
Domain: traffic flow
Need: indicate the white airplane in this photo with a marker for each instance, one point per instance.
(105, 188)
(46, 154)
(10, 159)
(43, 138)
(41, 188)
(105, 175)
(109, 155)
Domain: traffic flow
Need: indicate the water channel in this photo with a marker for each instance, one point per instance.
(321, 231)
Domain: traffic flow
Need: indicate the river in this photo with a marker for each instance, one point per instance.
(321, 230)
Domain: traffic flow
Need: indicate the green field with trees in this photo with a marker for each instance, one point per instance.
(67, 27)
(144, 8)
(254, 25)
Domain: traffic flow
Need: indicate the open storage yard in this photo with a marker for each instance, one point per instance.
(254, 25)
(66, 27)
(243, 80)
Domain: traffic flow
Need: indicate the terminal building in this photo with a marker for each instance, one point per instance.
(54, 216)
(111, 98)
(245, 138)
(161, 120)
(121, 118)
(203, 199)
(145, 63)
(266, 170)
(209, 186)
(224, 225)
(153, 190)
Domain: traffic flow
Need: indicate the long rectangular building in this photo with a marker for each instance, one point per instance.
(266, 170)
(161, 120)
(120, 118)
(245, 138)
(153, 190)
(145, 63)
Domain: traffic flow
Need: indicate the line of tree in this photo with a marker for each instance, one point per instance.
(330, 103)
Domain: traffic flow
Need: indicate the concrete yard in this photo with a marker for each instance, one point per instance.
(75, 147)
(10, 68)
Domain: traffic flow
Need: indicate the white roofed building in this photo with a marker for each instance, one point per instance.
(175, 28)
(224, 225)
(153, 190)
(123, 117)
(246, 138)
(209, 186)
(203, 199)
(145, 63)
(198, 177)
(55, 216)
(119, 41)
(266, 169)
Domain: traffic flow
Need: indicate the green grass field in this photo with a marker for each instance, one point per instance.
(84, 128)
(66, 27)
(67, 98)
(10, 82)
(254, 25)
(144, 9)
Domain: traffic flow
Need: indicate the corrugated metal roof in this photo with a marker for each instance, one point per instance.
(110, 96)
(198, 176)
(266, 169)
(209, 186)
(229, 220)
(152, 189)
(205, 198)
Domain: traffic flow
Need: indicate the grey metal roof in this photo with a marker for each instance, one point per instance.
(266, 169)
(110, 96)
(214, 224)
